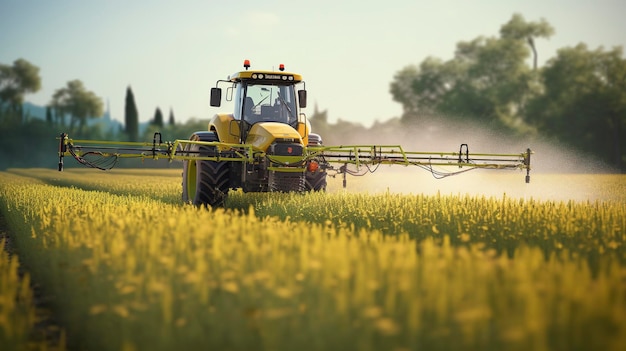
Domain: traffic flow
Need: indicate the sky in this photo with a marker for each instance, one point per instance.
(172, 52)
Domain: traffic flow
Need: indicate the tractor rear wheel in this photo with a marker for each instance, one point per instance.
(205, 183)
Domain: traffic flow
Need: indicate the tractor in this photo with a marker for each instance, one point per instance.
(268, 120)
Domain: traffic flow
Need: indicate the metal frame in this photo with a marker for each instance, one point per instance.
(356, 155)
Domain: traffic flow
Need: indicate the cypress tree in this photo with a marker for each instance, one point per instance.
(49, 115)
(172, 121)
(158, 118)
(131, 116)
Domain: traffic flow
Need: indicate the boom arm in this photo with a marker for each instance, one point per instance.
(364, 158)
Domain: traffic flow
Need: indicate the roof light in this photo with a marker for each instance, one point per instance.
(246, 64)
(281, 67)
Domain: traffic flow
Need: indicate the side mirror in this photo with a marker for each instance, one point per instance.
(302, 98)
(216, 97)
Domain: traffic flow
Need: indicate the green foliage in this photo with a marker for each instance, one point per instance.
(487, 80)
(49, 118)
(176, 131)
(158, 118)
(578, 98)
(342, 132)
(30, 144)
(172, 120)
(131, 116)
(518, 29)
(584, 103)
(15, 81)
(75, 100)
(319, 122)
(494, 83)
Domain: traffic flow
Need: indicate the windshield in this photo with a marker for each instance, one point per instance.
(269, 103)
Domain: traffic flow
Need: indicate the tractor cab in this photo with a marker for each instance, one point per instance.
(264, 96)
(267, 103)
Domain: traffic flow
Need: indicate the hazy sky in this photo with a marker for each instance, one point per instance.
(172, 52)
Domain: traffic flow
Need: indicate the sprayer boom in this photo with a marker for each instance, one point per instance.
(351, 159)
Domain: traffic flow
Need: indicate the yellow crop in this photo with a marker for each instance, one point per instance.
(17, 313)
(133, 268)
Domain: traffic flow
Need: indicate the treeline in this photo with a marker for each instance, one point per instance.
(578, 99)
(30, 142)
(33, 143)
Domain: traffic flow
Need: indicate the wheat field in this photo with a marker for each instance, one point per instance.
(130, 267)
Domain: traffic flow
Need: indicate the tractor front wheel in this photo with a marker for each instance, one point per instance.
(205, 183)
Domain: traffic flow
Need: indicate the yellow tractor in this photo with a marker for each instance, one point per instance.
(266, 144)
(268, 120)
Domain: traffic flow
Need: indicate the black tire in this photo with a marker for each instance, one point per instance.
(315, 181)
(205, 183)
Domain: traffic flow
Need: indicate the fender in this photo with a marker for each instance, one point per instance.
(227, 132)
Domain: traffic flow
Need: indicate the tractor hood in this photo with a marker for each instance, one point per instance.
(262, 135)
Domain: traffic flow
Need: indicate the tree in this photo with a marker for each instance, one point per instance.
(158, 118)
(518, 29)
(491, 83)
(403, 91)
(172, 121)
(77, 102)
(584, 104)
(487, 80)
(15, 82)
(49, 119)
(319, 121)
(131, 116)
(422, 89)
